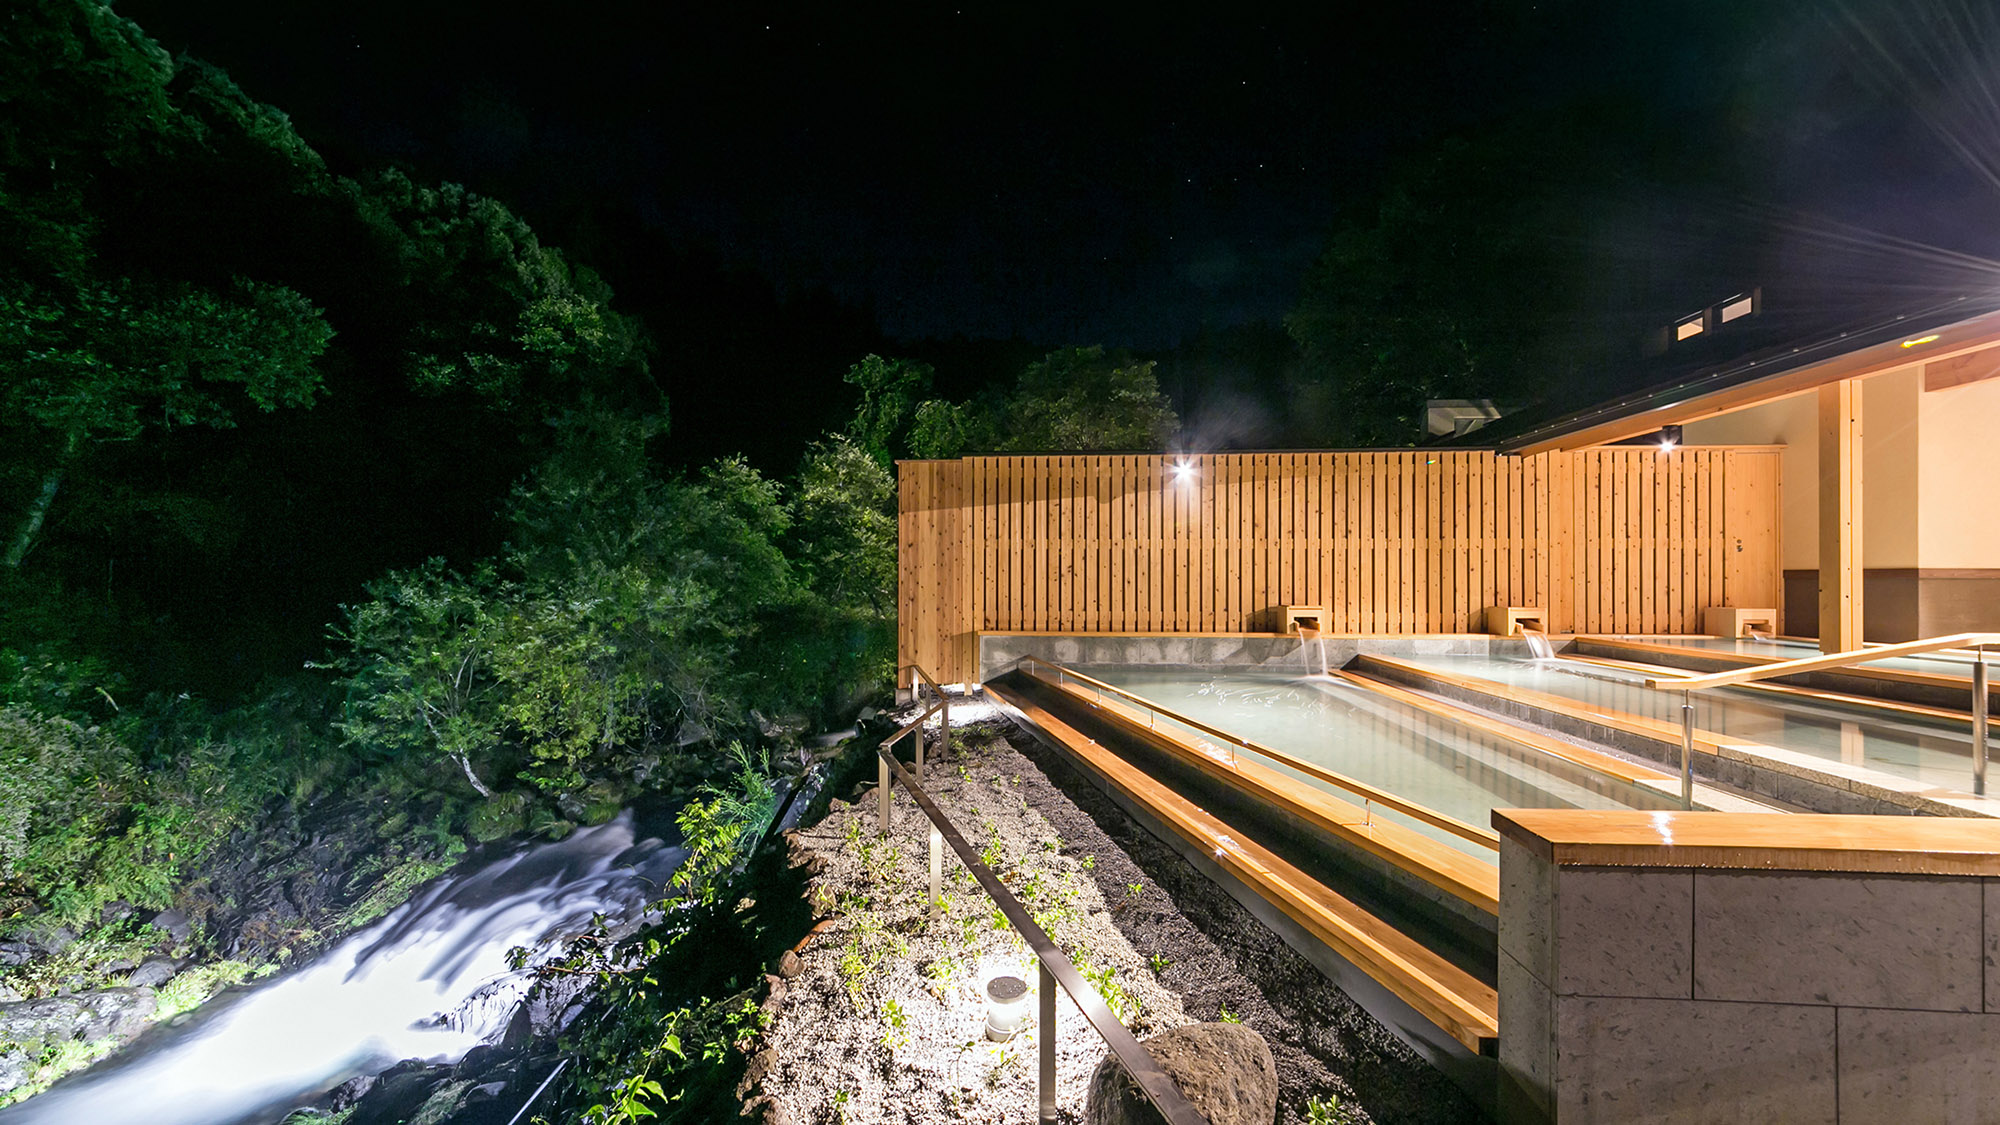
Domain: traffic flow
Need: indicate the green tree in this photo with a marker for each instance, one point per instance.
(93, 351)
(843, 527)
(1503, 264)
(952, 429)
(1071, 400)
(1079, 399)
(110, 361)
(421, 668)
(1427, 298)
(502, 318)
(891, 390)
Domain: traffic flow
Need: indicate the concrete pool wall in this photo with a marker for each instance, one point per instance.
(999, 651)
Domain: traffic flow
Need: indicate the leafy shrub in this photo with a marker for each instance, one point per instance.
(721, 827)
(84, 822)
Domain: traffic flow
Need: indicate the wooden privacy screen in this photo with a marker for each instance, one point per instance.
(1626, 540)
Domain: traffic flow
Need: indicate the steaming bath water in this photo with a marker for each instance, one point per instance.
(429, 981)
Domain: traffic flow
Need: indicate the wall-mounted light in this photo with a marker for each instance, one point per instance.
(1183, 470)
(1006, 1007)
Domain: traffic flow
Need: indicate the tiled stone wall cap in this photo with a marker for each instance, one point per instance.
(1901, 845)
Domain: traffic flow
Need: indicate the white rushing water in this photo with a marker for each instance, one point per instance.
(429, 981)
(1538, 643)
(1309, 638)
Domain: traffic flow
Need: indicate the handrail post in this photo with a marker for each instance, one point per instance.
(1047, 1084)
(937, 871)
(1979, 721)
(1687, 749)
(882, 793)
(917, 737)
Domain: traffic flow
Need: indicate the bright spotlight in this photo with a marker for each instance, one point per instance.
(1666, 445)
(1183, 470)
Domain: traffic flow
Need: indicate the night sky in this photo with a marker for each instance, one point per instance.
(1084, 174)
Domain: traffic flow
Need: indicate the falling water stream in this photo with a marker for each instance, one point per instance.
(1309, 638)
(429, 981)
(1538, 643)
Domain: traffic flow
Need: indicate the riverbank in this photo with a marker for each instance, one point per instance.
(265, 898)
(883, 1021)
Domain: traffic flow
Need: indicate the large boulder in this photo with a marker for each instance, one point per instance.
(108, 1013)
(16, 1067)
(29, 1026)
(1224, 1069)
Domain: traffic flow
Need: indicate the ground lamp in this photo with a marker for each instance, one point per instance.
(1006, 1007)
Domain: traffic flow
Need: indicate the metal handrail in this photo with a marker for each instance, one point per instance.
(1362, 789)
(1976, 642)
(1056, 967)
(941, 707)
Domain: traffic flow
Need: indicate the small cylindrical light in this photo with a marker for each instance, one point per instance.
(1006, 1007)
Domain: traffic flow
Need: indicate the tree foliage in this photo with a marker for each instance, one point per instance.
(424, 667)
(891, 391)
(85, 820)
(502, 318)
(1071, 400)
(95, 349)
(633, 616)
(1079, 399)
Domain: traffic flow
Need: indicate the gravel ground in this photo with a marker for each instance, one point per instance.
(883, 1024)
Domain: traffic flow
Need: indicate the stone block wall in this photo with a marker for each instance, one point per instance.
(1670, 994)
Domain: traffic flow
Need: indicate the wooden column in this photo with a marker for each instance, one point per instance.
(1840, 564)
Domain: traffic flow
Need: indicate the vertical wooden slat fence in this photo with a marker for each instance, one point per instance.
(1619, 539)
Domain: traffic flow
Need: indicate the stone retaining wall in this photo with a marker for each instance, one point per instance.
(1674, 994)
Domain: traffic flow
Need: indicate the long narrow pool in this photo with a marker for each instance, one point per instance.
(1933, 752)
(1437, 763)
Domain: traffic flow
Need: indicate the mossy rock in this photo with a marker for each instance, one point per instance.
(498, 817)
(601, 801)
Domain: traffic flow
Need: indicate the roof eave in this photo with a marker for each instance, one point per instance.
(1739, 386)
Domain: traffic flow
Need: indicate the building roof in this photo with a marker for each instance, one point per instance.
(1734, 370)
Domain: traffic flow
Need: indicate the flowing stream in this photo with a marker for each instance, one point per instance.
(429, 981)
